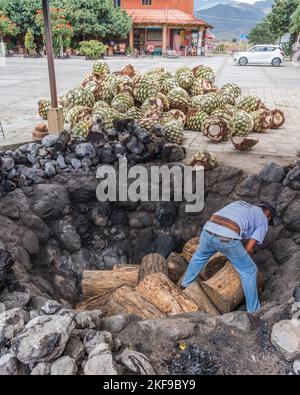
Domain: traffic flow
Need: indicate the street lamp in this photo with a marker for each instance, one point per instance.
(55, 114)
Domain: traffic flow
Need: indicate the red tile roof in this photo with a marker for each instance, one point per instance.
(165, 17)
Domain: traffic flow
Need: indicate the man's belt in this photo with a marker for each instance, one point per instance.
(227, 223)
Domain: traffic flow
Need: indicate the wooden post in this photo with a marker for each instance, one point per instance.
(164, 40)
(55, 115)
(203, 43)
(131, 39)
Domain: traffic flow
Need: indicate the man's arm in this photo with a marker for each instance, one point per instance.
(250, 246)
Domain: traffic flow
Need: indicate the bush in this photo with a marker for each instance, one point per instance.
(92, 49)
(29, 43)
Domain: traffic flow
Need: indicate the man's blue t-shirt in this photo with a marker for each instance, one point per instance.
(251, 220)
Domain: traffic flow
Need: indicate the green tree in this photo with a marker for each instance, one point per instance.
(22, 13)
(98, 18)
(280, 16)
(7, 29)
(62, 31)
(262, 34)
(295, 21)
(30, 45)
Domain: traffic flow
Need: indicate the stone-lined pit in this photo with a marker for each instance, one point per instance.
(55, 228)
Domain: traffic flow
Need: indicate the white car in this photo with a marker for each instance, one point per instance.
(261, 54)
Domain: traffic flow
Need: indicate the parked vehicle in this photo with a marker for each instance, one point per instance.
(260, 54)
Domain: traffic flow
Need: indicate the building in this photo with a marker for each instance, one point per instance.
(165, 25)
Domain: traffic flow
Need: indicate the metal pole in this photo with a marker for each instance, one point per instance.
(49, 49)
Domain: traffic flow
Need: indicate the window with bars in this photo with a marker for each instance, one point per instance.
(146, 2)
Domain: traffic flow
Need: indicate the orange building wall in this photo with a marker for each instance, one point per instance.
(184, 5)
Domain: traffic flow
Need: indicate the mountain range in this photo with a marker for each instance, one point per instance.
(232, 18)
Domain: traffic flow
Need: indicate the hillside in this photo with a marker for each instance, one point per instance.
(231, 18)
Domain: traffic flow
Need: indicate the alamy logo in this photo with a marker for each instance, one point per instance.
(178, 183)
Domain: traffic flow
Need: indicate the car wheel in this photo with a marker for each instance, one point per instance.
(276, 62)
(243, 61)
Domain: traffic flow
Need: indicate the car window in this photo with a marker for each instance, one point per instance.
(255, 49)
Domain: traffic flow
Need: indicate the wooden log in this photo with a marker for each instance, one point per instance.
(196, 293)
(177, 266)
(97, 283)
(124, 267)
(214, 265)
(152, 263)
(95, 303)
(225, 288)
(190, 248)
(127, 300)
(159, 290)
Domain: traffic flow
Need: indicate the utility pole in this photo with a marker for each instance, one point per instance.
(55, 114)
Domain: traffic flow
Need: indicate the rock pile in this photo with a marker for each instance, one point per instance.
(65, 342)
(34, 163)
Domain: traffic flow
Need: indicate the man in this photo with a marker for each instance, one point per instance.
(223, 233)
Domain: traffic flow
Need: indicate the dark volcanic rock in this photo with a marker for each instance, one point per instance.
(163, 246)
(82, 189)
(284, 249)
(250, 186)
(292, 180)
(291, 216)
(297, 293)
(67, 235)
(50, 201)
(272, 173)
(6, 262)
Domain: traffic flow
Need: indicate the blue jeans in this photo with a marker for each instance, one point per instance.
(238, 256)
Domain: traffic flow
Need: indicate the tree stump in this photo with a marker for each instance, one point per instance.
(159, 290)
(196, 293)
(190, 248)
(152, 263)
(127, 300)
(99, 282)
(225, 288)
(176, 267)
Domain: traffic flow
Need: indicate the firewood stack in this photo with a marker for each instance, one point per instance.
(152, 290)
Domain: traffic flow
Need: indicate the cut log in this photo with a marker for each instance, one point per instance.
(159, 290)
(124, 267)
(225, 288)
(214, 265)
(190, 248)
(152, 263)
(95, 303)
(196, 293)
(127, 300)
(177, 266)
(97, 283)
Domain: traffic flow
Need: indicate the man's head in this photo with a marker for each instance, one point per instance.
(269, 211)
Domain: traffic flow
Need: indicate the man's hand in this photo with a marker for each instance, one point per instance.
(250, 246)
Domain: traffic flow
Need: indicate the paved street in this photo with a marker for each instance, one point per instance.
(24, 81)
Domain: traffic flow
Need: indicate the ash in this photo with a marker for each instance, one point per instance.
(193, 361)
